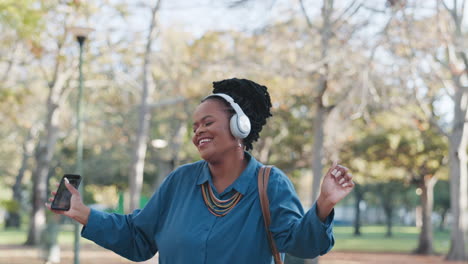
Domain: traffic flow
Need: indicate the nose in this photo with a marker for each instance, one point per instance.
(199, 131)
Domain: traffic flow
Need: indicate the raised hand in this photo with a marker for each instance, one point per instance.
(336, 185)
(78, 211)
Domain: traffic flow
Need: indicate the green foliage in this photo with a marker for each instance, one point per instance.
(391, 147)
(24, 16)
(10, 206)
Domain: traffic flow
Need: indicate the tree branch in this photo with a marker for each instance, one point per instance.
(339, 17)
(465, 61)
(462, 11)
(381, 11)
(453, 11)
(309, 22)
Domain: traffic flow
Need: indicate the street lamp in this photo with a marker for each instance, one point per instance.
(81, 33)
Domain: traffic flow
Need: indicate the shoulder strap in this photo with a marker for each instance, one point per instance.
(263, 177)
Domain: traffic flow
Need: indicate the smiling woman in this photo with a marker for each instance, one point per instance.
(209, 211)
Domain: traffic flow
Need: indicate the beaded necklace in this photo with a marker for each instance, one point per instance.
(217, 206)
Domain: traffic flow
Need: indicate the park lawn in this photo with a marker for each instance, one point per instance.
(18, 237)
(373, 239)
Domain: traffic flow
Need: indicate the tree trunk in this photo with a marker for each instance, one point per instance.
(388, 220)
(322, 111)
(359, 194)
(14, 219)
(459, 177)
(458, 66)
(443, 219)
(317, 166)
(140, 143)
(425, 246)
(43, 156)
(45, 151)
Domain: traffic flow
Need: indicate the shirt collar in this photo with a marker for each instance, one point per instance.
(241, 184)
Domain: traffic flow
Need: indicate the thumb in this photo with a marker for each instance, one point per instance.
(70, 187)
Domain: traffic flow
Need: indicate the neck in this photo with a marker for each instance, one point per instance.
(227, 170)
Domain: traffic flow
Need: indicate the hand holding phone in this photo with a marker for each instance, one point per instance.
(62, 197)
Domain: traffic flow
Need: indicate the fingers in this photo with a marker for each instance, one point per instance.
(55, 211)
(339, 172)
(332, 167)
(342, 176)
(349, 184)
(71, 188)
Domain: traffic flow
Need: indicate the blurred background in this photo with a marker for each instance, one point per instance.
(106, 89)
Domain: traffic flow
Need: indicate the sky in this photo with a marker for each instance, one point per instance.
(198, 16)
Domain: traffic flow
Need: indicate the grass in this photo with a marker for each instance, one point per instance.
(18, 237)
(373, 239)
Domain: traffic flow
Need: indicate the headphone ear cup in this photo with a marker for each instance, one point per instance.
(234, 126)
(240, 126)
(239, 123)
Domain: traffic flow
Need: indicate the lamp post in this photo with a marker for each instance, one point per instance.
(81, 33)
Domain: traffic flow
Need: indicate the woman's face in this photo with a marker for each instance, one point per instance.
(211, 133)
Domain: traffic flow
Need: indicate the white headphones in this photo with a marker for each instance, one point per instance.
(239, 123)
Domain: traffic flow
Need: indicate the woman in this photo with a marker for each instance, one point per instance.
(209, 211)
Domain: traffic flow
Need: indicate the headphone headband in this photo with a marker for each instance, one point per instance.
(228, 99)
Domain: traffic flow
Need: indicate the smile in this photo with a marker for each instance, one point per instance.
(203, 141)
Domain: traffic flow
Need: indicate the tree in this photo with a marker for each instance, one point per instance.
(444, 76)
(20, 24)
(337, 29)
(412, 146)
(57, 81)
(423, 167)
(44, 152)
(456, 62)
(422, 158)
(14, 218)
(140, 142)
(372, 155)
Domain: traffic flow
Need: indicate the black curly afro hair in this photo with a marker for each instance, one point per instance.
(254, 100)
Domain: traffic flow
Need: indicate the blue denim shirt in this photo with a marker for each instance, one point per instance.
(177, 224)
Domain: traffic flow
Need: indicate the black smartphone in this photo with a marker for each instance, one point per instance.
(62, 197)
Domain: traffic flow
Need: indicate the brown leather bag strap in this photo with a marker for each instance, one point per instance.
(263, 177)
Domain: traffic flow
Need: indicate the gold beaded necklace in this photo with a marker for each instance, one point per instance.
(217, 206)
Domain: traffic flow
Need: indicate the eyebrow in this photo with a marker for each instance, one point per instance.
(203, 118)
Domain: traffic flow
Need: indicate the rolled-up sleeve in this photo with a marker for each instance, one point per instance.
(121, 234)
(296, 233)
(133, 235)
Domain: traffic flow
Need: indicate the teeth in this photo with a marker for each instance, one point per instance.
(203, 141)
